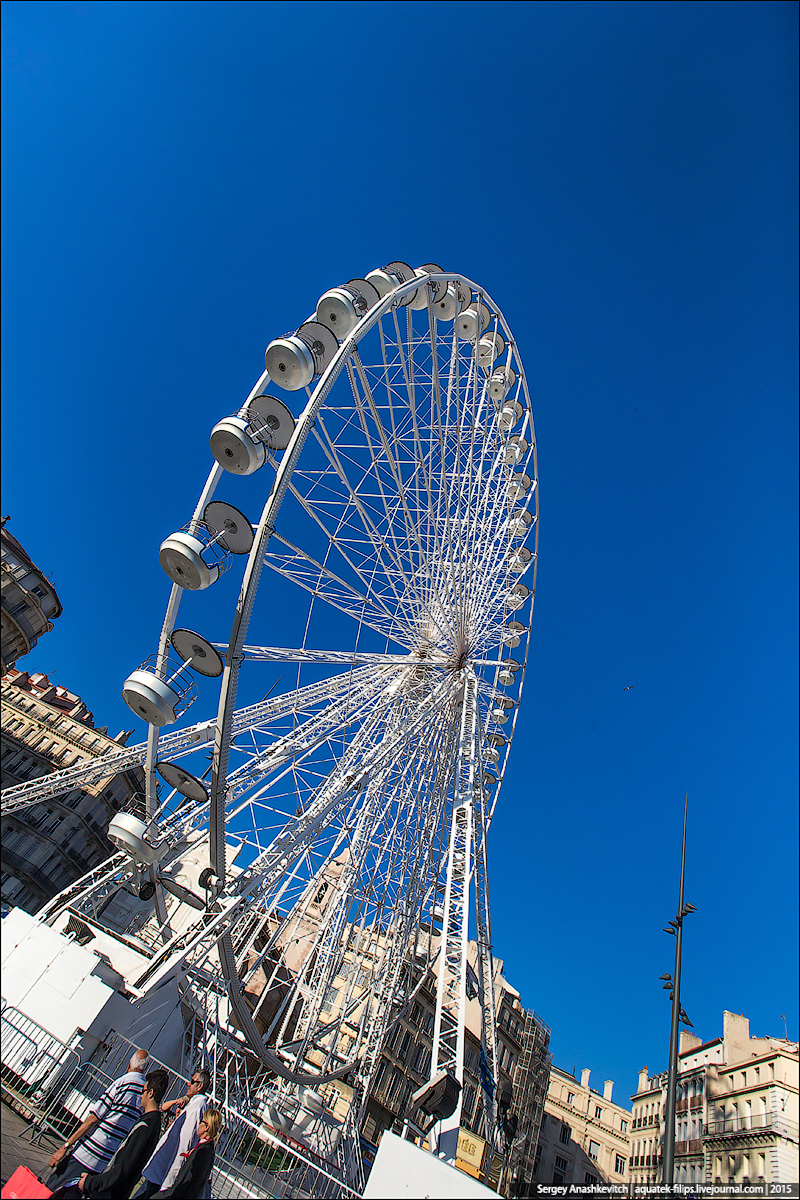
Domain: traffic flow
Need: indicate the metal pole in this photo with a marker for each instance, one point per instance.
(672, 1079)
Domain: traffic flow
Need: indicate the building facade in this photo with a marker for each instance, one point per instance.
(585, 1136)
(28, 601)
(404, 1065)
(49, 845)
(736, 1113)
(523, 1066)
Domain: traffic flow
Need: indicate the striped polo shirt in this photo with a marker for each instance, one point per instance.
(117, 1111)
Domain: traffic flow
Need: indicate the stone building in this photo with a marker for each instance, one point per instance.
(405, 1062)
(736, 1113)
(48, 845)
(523, 1065)
(28, 601)
(585, 1136)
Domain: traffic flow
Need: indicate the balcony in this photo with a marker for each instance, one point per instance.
(757, 1124)
(692, 1146)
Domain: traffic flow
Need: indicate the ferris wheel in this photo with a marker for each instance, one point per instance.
(330, 839)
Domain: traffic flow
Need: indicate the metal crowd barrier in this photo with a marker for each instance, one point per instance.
(35, 1068)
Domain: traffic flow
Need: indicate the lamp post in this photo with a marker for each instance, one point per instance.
(679, 1017)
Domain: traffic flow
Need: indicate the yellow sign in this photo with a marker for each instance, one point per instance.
(470, 1148)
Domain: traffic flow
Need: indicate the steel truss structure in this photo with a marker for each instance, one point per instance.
(339, 847)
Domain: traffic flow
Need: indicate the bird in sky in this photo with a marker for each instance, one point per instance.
(628, 689)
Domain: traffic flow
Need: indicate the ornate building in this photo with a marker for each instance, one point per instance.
(28, 601)
(736, 1116)
(49, 845)
(585, 1137)
(523, 1062)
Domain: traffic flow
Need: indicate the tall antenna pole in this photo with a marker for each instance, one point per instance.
(672, 1079)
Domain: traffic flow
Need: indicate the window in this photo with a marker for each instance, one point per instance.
(331, 996)
(544, 1120)
(594, 1151)
(538, 1159)
(565, 1134)
(598, 1112)
(623, 1126)
(570, 1097)
(506, 1061)
(561, 1163)
(589, 1178)
(420, 1058)
(619, 1165)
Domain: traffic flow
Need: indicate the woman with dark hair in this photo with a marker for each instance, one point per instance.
(193, 1179)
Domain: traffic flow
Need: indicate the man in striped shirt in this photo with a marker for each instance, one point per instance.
(109, 1122)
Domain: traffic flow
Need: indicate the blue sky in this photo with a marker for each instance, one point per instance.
(182, 181)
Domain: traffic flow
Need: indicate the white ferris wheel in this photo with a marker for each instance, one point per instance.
(331, 838)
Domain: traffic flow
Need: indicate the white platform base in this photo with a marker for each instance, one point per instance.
(402, 1169)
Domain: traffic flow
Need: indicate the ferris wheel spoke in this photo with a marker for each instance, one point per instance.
(412, 529)
(376, 541)
(317, 579)
(329, 657)
(386, 508)
(289, 752)
(387, 858)
(341, 534)
(423, 455)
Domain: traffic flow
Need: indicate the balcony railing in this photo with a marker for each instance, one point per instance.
(757, 1123)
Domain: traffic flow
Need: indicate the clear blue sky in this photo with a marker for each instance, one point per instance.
(182, 181)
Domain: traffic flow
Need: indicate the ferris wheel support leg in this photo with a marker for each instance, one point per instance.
(448, 1049)
(448, 1030)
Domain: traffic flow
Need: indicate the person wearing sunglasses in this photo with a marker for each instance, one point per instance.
(162, 1169)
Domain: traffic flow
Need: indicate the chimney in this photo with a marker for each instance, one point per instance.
(642, 1080)
(688, 1041)
(608, 1088)
(585, 1073)
(736, 1036)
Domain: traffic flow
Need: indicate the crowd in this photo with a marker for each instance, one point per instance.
(121, 1147)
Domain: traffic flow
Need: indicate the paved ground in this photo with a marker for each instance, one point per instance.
(16, 1150)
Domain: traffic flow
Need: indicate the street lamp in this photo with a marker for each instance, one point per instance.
(679, 1017)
